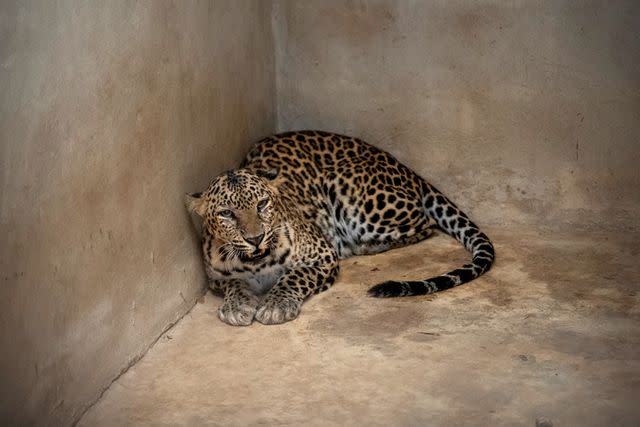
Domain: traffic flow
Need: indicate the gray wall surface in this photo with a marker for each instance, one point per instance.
(109, 113)
(522, 112)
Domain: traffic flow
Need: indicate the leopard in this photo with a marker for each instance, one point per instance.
(274, 229)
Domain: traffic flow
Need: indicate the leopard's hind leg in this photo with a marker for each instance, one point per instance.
(390, 241)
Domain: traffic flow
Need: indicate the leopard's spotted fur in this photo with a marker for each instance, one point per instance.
(301, 201)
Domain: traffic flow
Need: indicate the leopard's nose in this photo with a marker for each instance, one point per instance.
(255, 240)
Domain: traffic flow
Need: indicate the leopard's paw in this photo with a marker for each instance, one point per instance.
(238, 314)
(275, 311)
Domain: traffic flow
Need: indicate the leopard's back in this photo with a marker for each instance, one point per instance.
(365, 201)
(362, 198)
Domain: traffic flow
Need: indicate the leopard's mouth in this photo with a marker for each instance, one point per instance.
(256, 255)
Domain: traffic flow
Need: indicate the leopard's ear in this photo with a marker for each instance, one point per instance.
(269, 174)
(195, 203)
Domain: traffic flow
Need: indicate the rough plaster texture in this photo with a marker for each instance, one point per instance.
(522, 111)
(109, 113)
(552, 333)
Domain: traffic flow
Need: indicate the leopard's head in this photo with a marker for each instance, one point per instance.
(239, 209)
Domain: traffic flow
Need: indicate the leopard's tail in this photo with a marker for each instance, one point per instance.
(455, 223)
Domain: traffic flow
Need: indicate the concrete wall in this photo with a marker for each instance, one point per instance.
(521, 111)
(109, 113)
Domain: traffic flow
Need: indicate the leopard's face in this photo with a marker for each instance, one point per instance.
(239, 211)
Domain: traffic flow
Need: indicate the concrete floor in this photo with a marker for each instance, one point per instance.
(549, 337)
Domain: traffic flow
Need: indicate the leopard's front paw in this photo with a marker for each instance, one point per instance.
(275, 311)
(237, 314)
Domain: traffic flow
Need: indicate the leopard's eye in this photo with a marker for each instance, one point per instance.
(226, 213)
(262, 204)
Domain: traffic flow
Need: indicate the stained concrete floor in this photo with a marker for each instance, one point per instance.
(550, 335)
